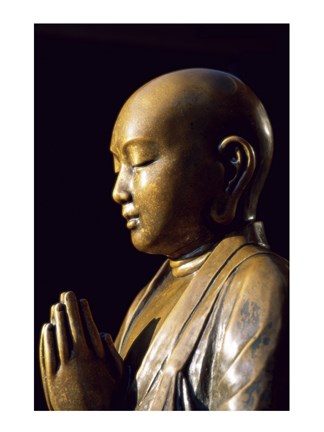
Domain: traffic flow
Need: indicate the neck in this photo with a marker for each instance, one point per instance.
(191, 262)
(200, 250)
(253, 230)
(195, 247)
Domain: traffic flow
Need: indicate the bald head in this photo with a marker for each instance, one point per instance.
(200, 108)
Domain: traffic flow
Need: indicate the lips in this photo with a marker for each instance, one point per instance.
(132, 223)
(131, 217)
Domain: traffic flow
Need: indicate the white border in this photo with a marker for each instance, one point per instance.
(16, 183)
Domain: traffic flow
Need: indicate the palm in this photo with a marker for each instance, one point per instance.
(80, 370)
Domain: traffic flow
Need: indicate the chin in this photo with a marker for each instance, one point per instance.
(147, 245)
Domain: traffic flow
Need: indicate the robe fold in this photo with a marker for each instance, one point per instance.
(224, 343)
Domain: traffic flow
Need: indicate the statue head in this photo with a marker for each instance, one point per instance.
(192, 150)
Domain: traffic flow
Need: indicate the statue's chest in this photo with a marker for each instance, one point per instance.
(155, 312)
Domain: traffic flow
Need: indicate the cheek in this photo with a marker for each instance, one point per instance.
(155, 195)
(155, 183)
(142, 181)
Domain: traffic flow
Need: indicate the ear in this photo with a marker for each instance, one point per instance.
(238, 158)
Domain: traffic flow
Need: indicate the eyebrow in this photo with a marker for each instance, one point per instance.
(131, 142)
(136, 142)
(139, 142)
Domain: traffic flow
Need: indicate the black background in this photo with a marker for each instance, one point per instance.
(83, 75)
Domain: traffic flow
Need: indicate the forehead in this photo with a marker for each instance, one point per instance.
(141, 125)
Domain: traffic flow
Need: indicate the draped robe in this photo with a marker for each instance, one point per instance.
(224, 342)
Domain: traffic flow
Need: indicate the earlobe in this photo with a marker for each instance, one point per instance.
(238, 158)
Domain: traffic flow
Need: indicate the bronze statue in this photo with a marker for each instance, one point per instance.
(191, 151)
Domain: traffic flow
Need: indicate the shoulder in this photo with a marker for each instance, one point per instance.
(265, 265)
(262, 278)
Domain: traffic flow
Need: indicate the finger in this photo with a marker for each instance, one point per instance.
(62, 296)
(73, 315)
(114, 358)
(41, 349)
(52, 314)
(61, 333)
(49, 350)
(92, 330)
(42, 369)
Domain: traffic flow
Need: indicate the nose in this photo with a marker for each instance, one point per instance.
(122, 189)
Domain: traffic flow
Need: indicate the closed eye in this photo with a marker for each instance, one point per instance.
(145, 163)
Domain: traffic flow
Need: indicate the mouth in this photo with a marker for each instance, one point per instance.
(132, 222)
(131, 216)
